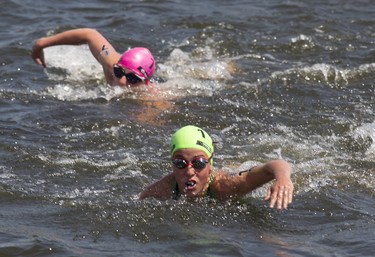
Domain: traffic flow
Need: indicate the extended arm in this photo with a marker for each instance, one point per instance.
(279, 194)
(88, 36)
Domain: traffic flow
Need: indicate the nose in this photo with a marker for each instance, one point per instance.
(122, 81)
(190, 170)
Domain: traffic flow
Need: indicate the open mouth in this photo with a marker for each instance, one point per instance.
(190, 184)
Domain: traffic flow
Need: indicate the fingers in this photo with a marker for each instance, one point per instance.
(41, 62)
(280, 197)
(38, 55)
(39, 59)
(268, 195)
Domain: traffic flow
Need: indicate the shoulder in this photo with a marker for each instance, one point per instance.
(223, 184)
(228, 185)
(161, 189)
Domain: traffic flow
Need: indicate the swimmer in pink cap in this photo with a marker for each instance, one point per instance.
(134, 67)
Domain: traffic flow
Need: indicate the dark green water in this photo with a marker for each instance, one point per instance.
(268, 79)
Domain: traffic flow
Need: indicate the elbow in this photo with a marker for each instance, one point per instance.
(276, 167)
(89, 32)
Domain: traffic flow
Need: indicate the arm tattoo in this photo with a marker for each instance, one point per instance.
(240, 173)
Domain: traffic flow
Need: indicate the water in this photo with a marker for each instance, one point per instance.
(268, 79)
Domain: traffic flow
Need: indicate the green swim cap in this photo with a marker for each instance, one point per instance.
(192, 137)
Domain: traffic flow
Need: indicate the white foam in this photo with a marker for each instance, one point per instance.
(77, 193)
(367, 131)
(76, 61)
(199, 64)
(70, 92)
(301, 37)
(81, 74)
(323, 73)
(5, 174)
(195, 73)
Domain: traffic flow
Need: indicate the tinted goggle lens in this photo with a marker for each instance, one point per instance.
(197, 164)
(130, 77)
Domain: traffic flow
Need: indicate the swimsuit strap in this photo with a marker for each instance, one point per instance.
(176, 193)
(209, 191)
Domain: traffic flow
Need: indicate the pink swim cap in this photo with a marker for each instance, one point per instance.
(140, 61)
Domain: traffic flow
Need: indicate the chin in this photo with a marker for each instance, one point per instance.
(193, 194)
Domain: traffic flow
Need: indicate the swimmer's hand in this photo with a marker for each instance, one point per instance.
(37, 54)
(280, 194)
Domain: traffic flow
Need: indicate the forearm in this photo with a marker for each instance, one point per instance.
(69, 37)
(262, 174)
(278, 169)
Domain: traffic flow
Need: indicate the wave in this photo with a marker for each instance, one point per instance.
(322, 74)
(366, 134)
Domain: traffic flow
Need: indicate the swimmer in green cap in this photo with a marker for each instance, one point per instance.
(193, 174)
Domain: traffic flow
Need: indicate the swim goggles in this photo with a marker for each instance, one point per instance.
(198, 163)
(130, 77)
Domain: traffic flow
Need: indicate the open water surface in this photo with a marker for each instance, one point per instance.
(267, 79)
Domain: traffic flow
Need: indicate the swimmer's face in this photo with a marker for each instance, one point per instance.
(125, 77)
(192, 170)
